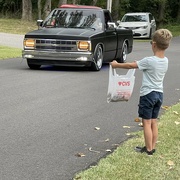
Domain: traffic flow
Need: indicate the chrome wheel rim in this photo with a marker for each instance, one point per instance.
(99, 57)
(124, 52)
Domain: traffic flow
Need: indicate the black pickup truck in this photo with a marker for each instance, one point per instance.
(76, 35)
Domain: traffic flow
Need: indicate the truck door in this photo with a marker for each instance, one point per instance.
(110, 42)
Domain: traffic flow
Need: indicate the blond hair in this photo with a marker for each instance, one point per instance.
(162, 38)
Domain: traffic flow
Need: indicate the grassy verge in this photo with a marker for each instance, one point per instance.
(175, 29)
(16, 26)
(8, 52)
(126, 164)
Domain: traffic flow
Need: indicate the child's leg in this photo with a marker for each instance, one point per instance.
(154, 128)
(148, 135)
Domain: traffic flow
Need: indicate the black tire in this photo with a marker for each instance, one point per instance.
(32, 66)
(124, 53)
(97, 59)
(150, 33)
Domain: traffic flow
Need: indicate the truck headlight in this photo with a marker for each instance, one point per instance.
(84, 45)
(29, 43)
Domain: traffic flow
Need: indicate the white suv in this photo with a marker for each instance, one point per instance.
(143, 25)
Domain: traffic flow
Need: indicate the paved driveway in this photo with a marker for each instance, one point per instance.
(12, 40)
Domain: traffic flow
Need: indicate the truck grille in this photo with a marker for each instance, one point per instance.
(56, 45)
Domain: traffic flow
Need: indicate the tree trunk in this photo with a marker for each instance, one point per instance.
(62, 2)
(27, 10)
(94, 2)
(178, 13)
(39, 9)
(115, 12)
(162, 5)
(47, 8)
(74, 2)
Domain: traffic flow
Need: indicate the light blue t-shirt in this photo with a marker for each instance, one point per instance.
(154, 70)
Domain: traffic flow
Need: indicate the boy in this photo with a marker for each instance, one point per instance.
(151, 92)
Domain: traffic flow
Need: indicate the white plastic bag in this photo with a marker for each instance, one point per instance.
(120, 87)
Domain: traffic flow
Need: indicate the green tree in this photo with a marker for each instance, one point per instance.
(165, 11)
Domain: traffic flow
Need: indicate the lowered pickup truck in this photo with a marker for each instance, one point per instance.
(75, 35)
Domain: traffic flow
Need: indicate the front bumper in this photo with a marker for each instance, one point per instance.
(58, 58)
(140, 33)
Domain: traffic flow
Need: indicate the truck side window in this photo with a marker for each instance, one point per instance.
(107, 19)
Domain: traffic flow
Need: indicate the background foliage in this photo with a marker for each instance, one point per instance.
(165, 11)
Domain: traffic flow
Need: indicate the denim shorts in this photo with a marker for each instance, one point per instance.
(150, 104)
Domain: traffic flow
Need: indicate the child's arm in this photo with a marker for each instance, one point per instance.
(128, 65)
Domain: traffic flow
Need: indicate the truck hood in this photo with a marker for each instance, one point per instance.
(62, 33)
(133, 24)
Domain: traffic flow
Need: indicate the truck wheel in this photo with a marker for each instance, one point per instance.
(32, 66)
(123, 56)
(97, 59)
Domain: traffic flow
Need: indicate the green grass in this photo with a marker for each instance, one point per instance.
(126, 164)
(175, 29)
(16, 26)
(8, 52)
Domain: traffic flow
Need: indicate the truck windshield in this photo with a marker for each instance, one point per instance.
(73, 18)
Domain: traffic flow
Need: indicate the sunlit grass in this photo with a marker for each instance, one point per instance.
(8, 52)
(16, 26)
(126, 164)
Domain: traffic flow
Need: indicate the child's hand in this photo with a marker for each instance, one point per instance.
(114, 64)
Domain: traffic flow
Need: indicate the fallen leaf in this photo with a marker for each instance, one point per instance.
(108, 150)
(126, 127)
(140, 124)
(90, 149)
(78, 177)
(116, 145)
(175, 112)
(80, 155)
(107, 140)
(97, 128)
(128, 134)
(177, 123)
(170, 163)
(165, 107)
(137, 120)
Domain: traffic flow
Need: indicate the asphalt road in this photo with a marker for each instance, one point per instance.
(48, 116)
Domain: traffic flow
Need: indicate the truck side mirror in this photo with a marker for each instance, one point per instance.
(118, 22)
(111, 25)
(39, 23)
